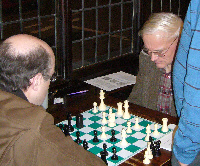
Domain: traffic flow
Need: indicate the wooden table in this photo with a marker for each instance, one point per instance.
(82, 102)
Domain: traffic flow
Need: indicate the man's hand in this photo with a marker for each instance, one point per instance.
(181, 164)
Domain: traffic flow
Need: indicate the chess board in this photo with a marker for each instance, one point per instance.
(136, 140)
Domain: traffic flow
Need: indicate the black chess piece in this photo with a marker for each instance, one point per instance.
(157, 148)
(114, 157)
(104, 153)
(79, 121)
(78, 140)
(85, 144)
(103, 157)
(95, 139)
(113, 139)
(70, 127)
(66, 130)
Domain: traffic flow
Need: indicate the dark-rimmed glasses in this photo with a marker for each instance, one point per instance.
(160, 53)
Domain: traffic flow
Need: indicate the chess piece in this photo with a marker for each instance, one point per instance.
(146, 159)
(102, 106)
(103, 157)
(113, 139)
(114, 157)
(112, 120)
(129, 130)
(136, 126)
(120, 112)
(147, 137)
(155, 133)
(85, 144)
(157, 148)
(149, 152)
(104, 121)
(126, 113)
(103, 135)
(69, 118)
(79, 121)
(95, 139)
(164, 127)
(95, 107)
(78, 140)
(148, 129)
(66, 130)
(123, 135)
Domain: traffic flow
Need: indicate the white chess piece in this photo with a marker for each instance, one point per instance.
(148, 129)
(112, 120)
(104, 121)
(126, 113)
(155, 133)
(129, 130)
(110, 112)
(103, 135)
(136, 126)
(146, 159)
(164, 127)
(149, 152)
(102, 106)
(123, 135)
(120, 111)
(147, 137)
(95, 107)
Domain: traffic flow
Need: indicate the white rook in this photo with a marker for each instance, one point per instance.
(164, 127)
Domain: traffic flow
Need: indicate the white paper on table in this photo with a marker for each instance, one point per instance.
(113, 81)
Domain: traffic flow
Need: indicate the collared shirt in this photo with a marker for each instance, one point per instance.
(165, 95)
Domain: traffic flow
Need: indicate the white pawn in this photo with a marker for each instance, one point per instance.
(146, 159)
(120, 112)
(102, 106)
(155, 133)
(164, 127)
(123, 141)
(110, 112)
(137, 126)
(148, 129)
(95, 107)
(126, 113)
(112, 120)
(103, 135)
(104, 121)
(129, 130)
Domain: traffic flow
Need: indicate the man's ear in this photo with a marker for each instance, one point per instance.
(36, 81)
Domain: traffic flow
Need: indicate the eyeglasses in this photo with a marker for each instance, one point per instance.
(160, 53)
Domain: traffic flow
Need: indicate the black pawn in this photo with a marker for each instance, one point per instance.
(104, 153)
(114, 157)
(113, 139)
(70, 127)
(103, 157)
(85, 144)
(79, 121)
(95, 139)
(78, 140)
(66, 130)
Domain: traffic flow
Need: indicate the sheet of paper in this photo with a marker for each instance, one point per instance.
(113, 81)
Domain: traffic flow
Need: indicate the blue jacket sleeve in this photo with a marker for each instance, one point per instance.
(186, 83)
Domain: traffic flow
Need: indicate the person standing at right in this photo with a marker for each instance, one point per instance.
(186, 86)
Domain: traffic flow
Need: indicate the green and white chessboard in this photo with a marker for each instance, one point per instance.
(136, 140)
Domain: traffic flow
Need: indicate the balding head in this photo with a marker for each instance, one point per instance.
(22, 57)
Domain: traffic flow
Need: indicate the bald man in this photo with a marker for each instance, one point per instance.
(28, 135)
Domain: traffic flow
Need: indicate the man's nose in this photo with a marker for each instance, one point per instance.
(154, 57)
